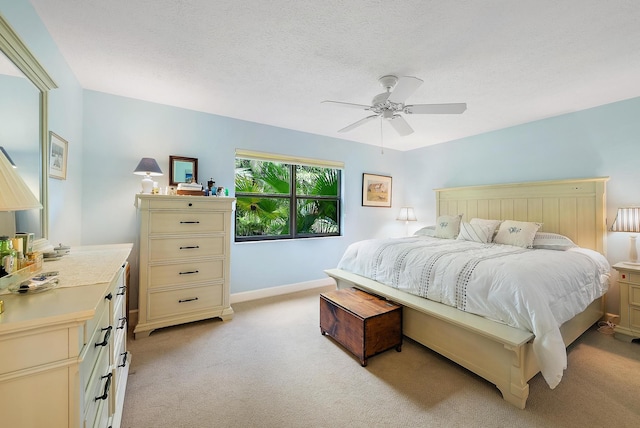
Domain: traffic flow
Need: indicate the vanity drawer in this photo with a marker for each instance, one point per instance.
(186, 273)
(182, 203)
(185, 247)
(174, 302)
(96, 397)
(89, 355)
(25, 350)
(186, 222)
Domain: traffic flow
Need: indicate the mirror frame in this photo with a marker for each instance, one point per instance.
(172, 159)
(18, 53)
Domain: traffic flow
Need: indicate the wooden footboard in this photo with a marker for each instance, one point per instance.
(501, 354)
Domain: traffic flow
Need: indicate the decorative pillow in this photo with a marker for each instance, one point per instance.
(475, 232)
(493, 224)
(552, 241)
(518, 233)
(426, 231)
(448, 226)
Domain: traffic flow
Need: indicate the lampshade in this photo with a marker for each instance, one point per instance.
(628, 220)
(149, 168)
(15, 195)
(407, 214)
(4, 152)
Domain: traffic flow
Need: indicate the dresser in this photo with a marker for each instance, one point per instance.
(63, 352)
(184, 260)
(628, 327)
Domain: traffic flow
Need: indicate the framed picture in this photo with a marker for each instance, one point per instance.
(376, 190)
(58, 153)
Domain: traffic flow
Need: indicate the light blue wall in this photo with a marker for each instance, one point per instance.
(119, 131)
(65, 119)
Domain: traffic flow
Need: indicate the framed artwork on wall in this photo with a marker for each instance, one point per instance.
(58, 153)
(376, 190)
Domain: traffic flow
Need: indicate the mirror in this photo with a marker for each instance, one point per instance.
(182, 170)
(24, 86)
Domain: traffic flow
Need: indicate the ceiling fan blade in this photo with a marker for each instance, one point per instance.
(406, 86)
(400, 125)
(349, 105)
(451, 108)
(358, 123)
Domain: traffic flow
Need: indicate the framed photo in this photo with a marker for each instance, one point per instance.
(58, 154)
(376, 190)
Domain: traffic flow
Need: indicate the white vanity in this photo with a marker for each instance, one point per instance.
(63, 352)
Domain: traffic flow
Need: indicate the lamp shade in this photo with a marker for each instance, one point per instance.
(4, 152)
(15, 195)
(407, 214)
(627, 220)
(148, 166)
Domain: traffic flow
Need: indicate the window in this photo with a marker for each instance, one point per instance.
(282, 197)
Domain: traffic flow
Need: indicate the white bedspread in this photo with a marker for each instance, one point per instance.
(534, 290)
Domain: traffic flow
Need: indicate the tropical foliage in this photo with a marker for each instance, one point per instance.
(285, 200)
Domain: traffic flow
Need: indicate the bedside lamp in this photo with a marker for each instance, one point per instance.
(149, 168)
(4, 152)
(628, 220)
(407, 215)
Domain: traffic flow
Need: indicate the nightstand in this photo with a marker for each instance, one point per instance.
(629, 283)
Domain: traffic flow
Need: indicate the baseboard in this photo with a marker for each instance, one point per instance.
(320, 285)
(324, 284)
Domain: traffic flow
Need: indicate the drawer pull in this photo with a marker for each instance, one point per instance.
(190, 222)
(107, 385)
(122, 291)
(107, 335)
(192, 247)
(189, 272)
(124, 359)
(109, 296)
(187, 300)
(123, 323)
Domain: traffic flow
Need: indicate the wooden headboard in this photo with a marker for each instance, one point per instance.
(574, 208)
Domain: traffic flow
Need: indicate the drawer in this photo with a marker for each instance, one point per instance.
(634, 295)
(185, 247)
(91, 324)
(184, 204)
(186, 222)
(186, 273)
(26, 350)
(634, 318)
(175, 302)
(96, 396)
(89, 355)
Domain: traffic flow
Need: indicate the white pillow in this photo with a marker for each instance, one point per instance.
(552, 241)
(518, 233)
(448, 226)
(475, 232)
(426, 231)
(493, 224)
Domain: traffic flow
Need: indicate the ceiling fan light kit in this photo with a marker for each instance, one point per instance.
(390, 104)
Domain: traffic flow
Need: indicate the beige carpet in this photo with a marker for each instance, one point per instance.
(271, 367)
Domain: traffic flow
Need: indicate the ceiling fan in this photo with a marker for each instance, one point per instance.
(388, 105)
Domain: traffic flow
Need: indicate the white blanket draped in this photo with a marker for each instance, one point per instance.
(535, 290)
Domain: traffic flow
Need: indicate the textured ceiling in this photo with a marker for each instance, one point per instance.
(273, 62)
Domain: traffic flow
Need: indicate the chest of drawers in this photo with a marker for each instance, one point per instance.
(629, 282)
(184, 260)
(63, 355)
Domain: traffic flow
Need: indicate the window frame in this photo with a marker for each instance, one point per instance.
(292, 197)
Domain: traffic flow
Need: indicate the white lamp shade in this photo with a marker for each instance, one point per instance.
(407, 214)
(15, 195)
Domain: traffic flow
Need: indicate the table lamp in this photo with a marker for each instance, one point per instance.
(407, 215)
(628, 220)
(148, 167)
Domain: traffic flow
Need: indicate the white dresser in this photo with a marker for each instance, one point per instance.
(184, 260)
(63, 352)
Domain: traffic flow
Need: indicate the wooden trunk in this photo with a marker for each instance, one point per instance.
(364, 324)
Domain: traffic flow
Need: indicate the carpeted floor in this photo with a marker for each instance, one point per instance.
(271, 367)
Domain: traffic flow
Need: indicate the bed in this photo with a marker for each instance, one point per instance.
(501, 354)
